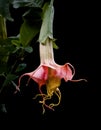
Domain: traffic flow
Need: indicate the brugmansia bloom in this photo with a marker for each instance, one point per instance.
(49, 74)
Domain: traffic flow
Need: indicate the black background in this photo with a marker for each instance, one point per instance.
(74, 30)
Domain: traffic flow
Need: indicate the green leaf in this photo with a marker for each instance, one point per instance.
(28, 3)
(9, 78)
(33, 15)
(27, 32)
(16, 42)
(3, 67)
(7, 44)
(47, 23)
(4, 9)
(21, 67)
(55, 46)
(28, 49)
(6, 48)
(31, 25)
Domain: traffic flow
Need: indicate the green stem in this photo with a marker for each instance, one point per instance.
(3, 30)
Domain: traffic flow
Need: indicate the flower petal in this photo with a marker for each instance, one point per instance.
(39, 75)
(64, 71)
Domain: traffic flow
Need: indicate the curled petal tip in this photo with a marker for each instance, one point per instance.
(78, 80)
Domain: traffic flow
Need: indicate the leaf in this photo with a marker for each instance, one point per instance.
(31, 25)
(33, 14)
(16, 43)
(21, 67)
(47, 23)
(55, 46)
(3, 67)
(28, 49)
(5, 49)
(27, 32)
(4, 9)
(9, 78)
(28, 3)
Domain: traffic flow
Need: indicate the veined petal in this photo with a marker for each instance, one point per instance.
(39, 75)
(65, 72)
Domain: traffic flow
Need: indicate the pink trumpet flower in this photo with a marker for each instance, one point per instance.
(49, 74)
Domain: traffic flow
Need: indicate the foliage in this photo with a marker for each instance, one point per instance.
(17, 46)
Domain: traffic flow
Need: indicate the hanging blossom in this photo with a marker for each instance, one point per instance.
(49, 73)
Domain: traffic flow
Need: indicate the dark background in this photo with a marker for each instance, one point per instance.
(75, 33)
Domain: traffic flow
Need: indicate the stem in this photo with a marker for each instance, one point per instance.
(3, 30)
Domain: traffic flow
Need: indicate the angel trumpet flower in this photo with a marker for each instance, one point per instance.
(49, 74)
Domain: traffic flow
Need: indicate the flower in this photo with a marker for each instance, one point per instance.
(49, 74)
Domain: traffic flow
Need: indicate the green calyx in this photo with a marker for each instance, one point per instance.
(47, 22)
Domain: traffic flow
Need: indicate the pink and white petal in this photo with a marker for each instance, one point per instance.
(39, 75)
(64, 71)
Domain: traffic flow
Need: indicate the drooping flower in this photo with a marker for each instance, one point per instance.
(49, 74)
